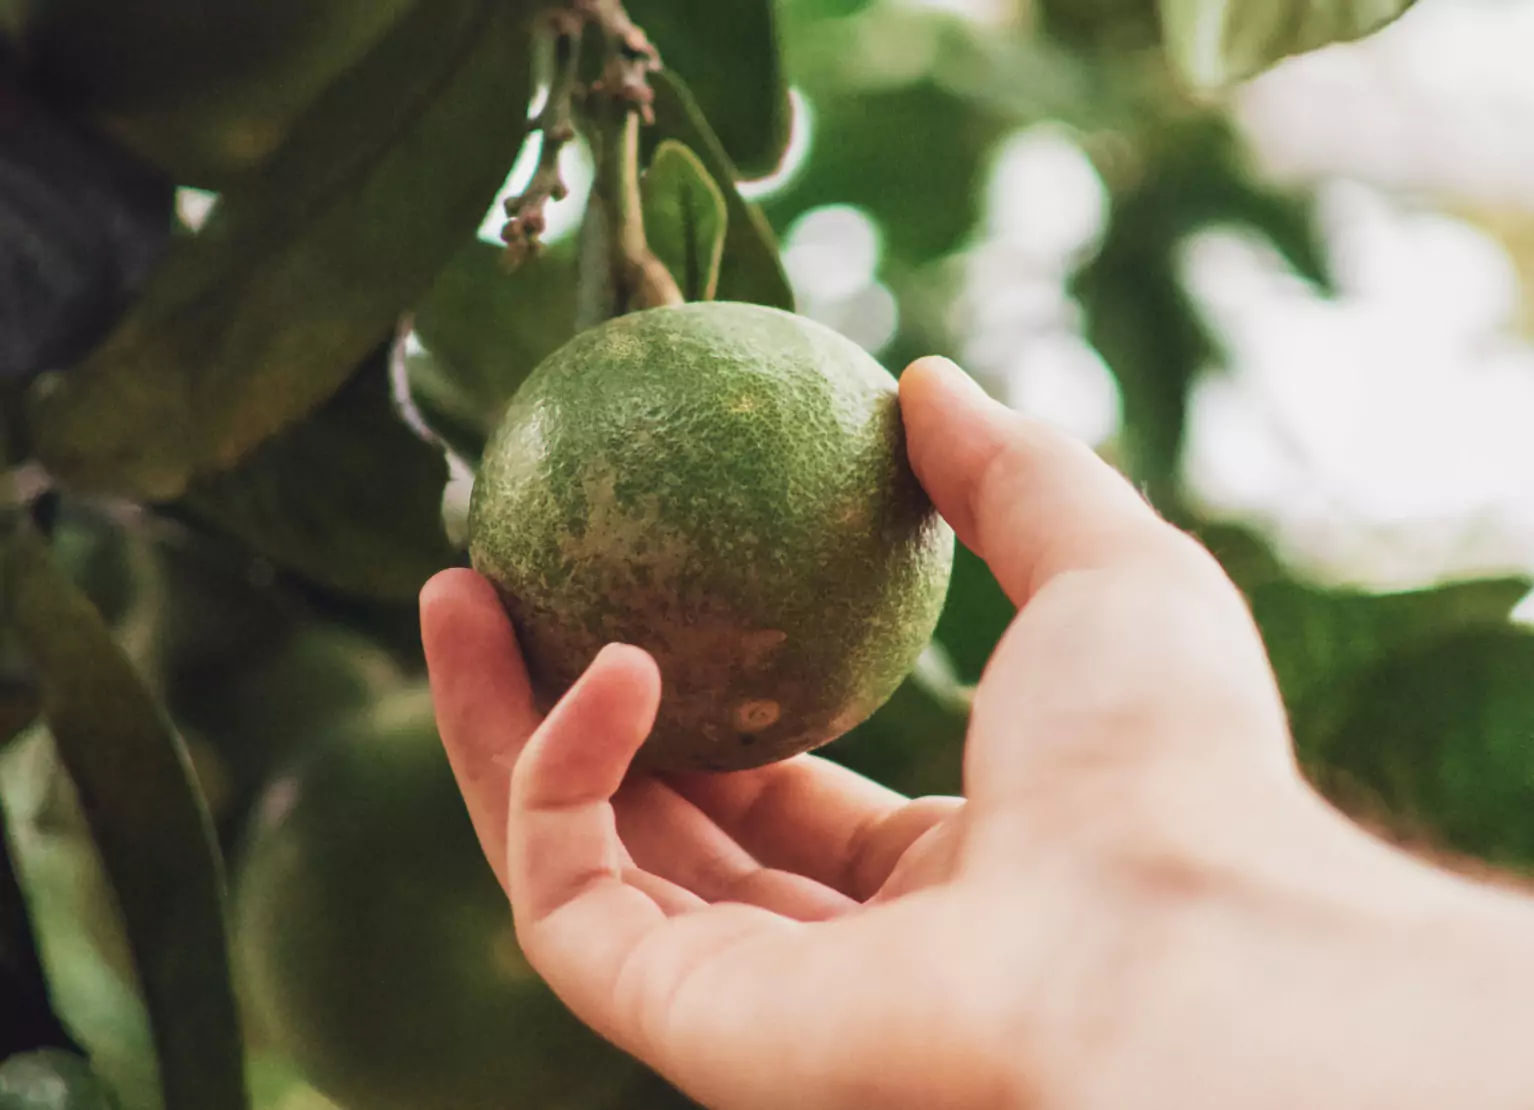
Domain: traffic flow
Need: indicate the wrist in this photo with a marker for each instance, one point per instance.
(1339, 973)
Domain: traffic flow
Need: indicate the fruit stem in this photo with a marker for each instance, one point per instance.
(637, 279)
(620, 273)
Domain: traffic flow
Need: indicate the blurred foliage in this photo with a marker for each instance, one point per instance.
(144, 814)
(207, 98)
(914, 743)
(484, 330)
(93, 988)
(1319, 639)
(27, 1021)
(226, 449)
(1140, 317)
(303, 268)
(354, 451)
(977, 613)
(727, 50)
(925, 205)
(1214, 42)
(51, 1079)
(1108, 26)
(1437, 742)
(82, 225)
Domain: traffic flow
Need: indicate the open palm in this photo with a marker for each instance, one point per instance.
(800, 928)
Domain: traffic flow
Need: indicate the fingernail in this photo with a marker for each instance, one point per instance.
(616, 647)
(955, 379)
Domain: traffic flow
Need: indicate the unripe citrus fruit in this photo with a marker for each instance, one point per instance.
(376, 949)
(726, 486)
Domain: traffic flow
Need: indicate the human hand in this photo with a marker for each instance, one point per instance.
(1138, 902)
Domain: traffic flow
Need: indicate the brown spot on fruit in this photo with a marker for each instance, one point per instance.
(757, 714)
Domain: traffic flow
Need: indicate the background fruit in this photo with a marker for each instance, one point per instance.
(377, 950)
(726, 486)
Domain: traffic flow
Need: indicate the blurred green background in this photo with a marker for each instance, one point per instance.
(1296, 313)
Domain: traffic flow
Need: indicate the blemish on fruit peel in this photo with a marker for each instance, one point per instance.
(757, 714)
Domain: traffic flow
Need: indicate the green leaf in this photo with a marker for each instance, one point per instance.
(79, 930)
(1438, 741)
(302, 270)
(108, 564)
(1102, 25)
(351, 498)
(1317, 638)
(684, 219)
(727, 52)
(750, 269)
(484, 329)
(1212, 43)
(27, 1020)
(1143, 323)
(19, 705)
(148, 821)
(1039, 78)
(204, 95)
(19, 699)
(975, 615)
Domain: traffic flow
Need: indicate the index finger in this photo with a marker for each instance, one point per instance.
(483, 700)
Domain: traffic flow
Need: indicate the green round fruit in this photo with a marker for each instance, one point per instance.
(51, 1079)
(376, 950)
(726, 486)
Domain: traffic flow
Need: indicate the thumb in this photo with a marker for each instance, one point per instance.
(1024, 496)
(1132, 649)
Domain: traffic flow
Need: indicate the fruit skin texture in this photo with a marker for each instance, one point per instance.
(375, 948)
(726, 486)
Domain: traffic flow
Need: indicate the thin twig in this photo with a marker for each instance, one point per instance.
(555, 122)
(619, 101)
(630, 60)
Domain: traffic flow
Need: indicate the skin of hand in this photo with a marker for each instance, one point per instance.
(1138, 902)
